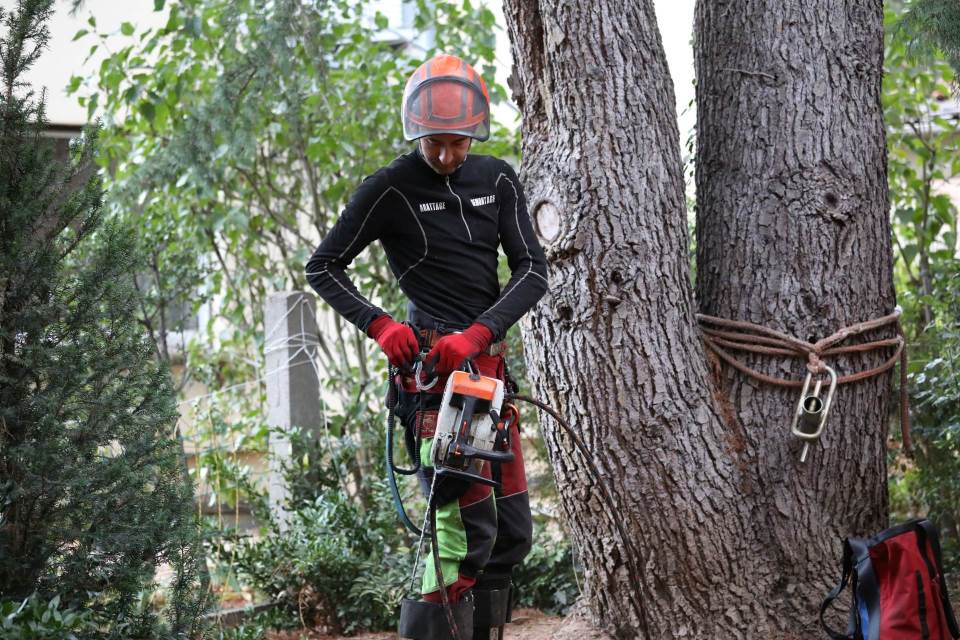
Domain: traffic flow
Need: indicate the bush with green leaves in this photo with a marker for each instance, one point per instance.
(335, 564)
(37, 619)
(931, 483)
(546, 579)
(244, 631)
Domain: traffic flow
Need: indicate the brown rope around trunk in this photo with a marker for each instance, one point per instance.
(722, 336)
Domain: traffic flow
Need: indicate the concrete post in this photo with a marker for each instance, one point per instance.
(293, 390)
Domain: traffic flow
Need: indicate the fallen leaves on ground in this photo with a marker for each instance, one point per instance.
(528, 624)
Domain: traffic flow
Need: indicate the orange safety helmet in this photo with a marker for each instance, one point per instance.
(445, 95)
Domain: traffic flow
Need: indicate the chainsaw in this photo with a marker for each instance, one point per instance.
(470, 429)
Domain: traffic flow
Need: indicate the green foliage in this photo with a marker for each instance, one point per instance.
(36, 619)
(243, 632)
(256, 627)
(246, 631)
(932, 484)
(922, 156)
(92, 492)
(546, 579)
(933, 27)
(922, 153)
(337, 565)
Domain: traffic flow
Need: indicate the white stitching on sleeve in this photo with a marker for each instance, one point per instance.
(426, 246)
(516, 216)
(363, 224)
(326, 271)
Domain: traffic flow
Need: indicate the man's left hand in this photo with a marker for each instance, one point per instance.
(450, 351)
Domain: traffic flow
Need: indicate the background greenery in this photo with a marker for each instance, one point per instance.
(93, 494)
(921, 110)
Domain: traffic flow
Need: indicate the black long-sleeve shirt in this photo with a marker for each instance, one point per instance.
(440, 235)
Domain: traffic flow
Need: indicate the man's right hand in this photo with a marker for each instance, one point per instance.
(397, 340)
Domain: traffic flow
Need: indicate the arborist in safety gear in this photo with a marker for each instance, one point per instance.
(440, 215)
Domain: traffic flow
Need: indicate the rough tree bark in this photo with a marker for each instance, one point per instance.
(732, 536)
(791, 165)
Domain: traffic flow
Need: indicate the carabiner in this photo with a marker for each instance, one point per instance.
(810, 418)
(417, 370)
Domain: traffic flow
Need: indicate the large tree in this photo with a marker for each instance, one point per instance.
(733, 536)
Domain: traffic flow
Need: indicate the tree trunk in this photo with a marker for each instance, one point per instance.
(615, 348)
(793, 233)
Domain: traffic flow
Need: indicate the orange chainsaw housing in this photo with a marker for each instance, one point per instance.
(484, 388)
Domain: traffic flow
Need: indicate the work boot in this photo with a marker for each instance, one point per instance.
(421, 620)
(492, 606)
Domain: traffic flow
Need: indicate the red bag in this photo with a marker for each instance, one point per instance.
(898, 588)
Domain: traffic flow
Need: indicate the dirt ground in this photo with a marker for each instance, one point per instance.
(528, 624)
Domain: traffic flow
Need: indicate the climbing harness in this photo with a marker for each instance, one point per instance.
(469, 430)
(810, 418)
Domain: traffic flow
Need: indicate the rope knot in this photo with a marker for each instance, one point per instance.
(815, 364)
(721, 334)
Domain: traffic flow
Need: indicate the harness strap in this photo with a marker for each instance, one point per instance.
(835, 593)
(427, 423)
(430, 337)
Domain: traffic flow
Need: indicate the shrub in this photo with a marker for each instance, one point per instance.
(336, 564)
(37, 619)
(546, 579)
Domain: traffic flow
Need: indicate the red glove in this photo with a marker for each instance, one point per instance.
(397, 340)
(450, 351)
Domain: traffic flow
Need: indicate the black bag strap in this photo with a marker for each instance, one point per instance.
(835, 593)
(930, 533)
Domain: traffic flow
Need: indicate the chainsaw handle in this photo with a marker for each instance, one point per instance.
(447, 472)
(470, 451)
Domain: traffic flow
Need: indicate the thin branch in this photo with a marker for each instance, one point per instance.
(145, 320)
(913, 279)
(53, 222)
(161, 307)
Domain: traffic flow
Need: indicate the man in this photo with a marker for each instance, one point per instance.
(440, 215)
